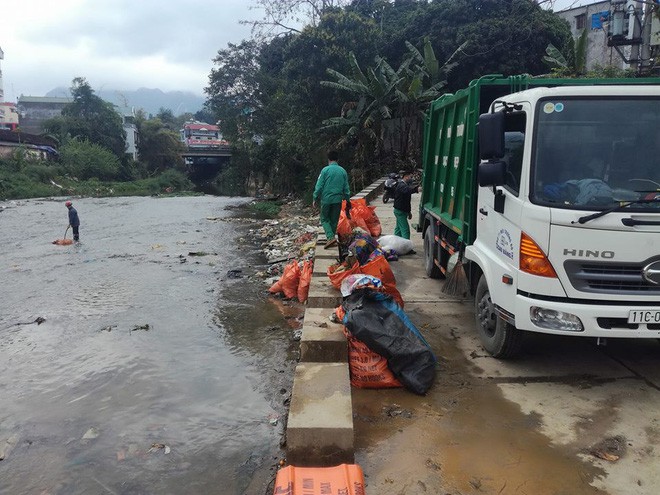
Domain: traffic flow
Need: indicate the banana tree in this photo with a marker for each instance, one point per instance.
(575, 65)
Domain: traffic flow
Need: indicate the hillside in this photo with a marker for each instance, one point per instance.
(151, 100)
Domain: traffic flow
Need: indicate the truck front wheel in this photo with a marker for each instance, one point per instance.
(432, 269)
(499, 337)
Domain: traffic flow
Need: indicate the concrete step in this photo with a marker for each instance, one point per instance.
(322, 294)
(321, 267)
(320, 426)
(322, 341)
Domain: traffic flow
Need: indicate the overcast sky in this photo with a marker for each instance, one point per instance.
(120, 44)
(115, 44)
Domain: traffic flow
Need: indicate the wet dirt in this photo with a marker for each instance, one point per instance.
(463, 437)
(87, 393)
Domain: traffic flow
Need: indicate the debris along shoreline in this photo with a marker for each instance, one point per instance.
(291, 235)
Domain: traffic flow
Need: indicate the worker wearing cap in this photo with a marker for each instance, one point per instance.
(402, 208)
(74, 221)
(331, 188)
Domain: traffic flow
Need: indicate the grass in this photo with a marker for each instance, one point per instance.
(21, 185)
(269, 208)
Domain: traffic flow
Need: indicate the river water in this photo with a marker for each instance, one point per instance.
(90, 397)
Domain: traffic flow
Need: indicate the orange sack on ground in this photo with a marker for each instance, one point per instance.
(365, 216)
(339, 271)
(288, 282)
(345, 479)
(367, 368)
(305, 279)
(380, 268)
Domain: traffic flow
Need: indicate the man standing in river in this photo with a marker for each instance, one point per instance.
(74, 221)
(331, 188)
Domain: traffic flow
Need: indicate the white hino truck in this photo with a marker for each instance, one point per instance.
(548, 192)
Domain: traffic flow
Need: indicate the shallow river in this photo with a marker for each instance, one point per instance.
(95, 402)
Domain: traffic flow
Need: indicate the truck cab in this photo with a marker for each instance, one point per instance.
(559, 220)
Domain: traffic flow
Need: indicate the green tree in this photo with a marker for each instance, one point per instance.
(159, 147)
(575, 63)
(90, 117)
(86, 160)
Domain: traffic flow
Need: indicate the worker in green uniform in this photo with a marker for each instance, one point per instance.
(331, 188)
(403, 191)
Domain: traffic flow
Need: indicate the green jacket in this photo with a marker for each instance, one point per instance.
(332, 185)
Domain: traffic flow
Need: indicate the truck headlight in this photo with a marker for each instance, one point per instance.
(555, 320)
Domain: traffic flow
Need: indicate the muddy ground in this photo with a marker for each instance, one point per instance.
(567, 417)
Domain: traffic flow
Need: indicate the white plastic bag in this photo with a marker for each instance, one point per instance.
(396, 243)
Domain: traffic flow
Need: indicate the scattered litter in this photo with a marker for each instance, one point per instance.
(108, 328)
(145, 327)
(606, 456)
(158, 446)
(39, 320)
(396, 410)
(235, 273)
(91, 434)
(156, 246)
(6, 446)
(201, 253)
(610, 449)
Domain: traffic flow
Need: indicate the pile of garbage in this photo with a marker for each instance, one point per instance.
(290, 236)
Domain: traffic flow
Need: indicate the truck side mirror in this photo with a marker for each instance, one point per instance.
(492, 173)
(491, 135)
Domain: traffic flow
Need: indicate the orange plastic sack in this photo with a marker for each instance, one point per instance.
(367, 368)
(344, 225)
(63, 242)
(365, 217)
(305, 279)
(373, 222)
(339, 271)
(380, 268)
(345, 479)
(288, 282)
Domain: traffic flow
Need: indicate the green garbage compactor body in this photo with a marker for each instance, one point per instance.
(451, 156)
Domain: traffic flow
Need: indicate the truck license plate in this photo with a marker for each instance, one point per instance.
(641, 316)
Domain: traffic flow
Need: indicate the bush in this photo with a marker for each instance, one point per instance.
(41, 172)
(86, 160)
(178, 181)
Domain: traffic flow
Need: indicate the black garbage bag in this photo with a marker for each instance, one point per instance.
(375, 319)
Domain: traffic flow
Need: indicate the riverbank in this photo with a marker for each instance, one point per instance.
(38, 181)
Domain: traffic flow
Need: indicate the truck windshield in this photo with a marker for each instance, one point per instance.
(592, 153)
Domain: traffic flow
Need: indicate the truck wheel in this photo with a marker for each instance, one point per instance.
(499, 337)
(432, 269)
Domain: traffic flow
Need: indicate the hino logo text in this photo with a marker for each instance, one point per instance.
(588, 253)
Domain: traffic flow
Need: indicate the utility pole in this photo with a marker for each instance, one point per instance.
(631, 25)
(2, 91)
(645, 54)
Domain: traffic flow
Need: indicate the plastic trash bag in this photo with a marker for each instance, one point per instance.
(374, 319)
(288, 282)
(305, 279)
(399, 244)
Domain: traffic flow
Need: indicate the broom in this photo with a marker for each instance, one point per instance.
(457, 282)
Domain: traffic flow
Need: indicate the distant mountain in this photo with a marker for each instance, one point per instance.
(150, 100)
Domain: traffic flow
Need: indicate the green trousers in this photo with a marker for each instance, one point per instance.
(329, 218)
(402, 228)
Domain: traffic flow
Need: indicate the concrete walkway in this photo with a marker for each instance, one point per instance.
(320, 423)
(567, 417)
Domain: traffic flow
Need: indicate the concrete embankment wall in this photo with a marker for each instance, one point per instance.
(320, 424)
